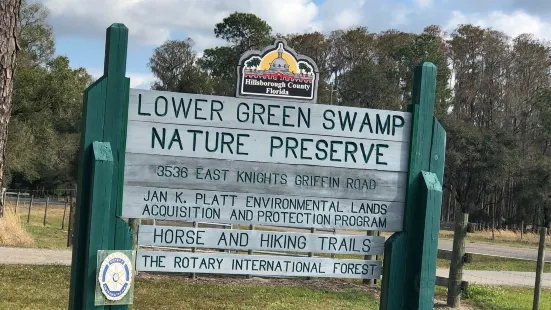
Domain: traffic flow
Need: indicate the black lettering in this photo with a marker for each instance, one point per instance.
(157, 106)
(217, 110)
(325, 117)
(273, 146)
(155, 136)
(140, 106)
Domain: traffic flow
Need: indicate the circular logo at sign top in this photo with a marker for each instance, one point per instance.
(115, 276)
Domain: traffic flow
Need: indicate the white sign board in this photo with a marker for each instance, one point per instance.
(252, 161)
(265, 146)
(246, 177)
(268, 115)
(228, 239)
(242, 208)
(258, 265)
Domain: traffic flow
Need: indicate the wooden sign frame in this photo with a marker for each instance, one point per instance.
(409, 266)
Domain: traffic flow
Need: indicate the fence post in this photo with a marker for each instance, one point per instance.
(521, 229)
(539, 268)
(17, 202)
(46, 209)
(30, 206)
(456, 265)
(72, 206)
(64, 211)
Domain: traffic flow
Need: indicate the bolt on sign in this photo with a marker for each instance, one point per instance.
(267, 157)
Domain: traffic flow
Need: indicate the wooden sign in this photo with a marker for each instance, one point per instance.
(242, 208)
(258, 265)
(246, 177)
(256, 160)
(268, 115)
(244, 240)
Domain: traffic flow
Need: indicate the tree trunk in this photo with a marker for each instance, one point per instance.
(9, 19)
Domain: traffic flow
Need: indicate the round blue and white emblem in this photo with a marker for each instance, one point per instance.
(115, 276)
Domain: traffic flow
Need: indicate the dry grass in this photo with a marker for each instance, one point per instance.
(12, 232)
(506, 237)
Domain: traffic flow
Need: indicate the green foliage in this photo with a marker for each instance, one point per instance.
(44, 128)
(244, 31)
(45, 125)
(174, 64)
(35, 35)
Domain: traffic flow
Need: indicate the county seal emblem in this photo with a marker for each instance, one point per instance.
(115, 276)
(277, 72)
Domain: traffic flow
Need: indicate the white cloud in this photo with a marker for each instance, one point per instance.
(140, 80)
(154, 21)
(513, 24)
(424, 3)
(137, 80)
(346, 18)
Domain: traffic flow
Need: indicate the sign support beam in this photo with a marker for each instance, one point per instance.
(418, 245)
(105, 114)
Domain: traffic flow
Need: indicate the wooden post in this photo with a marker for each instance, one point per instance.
(64, 211)
(30, 206)
(311, 254)
(393, 278)
(17, 202)
(46, 209)
(334, 232)
(250, 252)
(105, 118)
(410, 256)
(539, 268)
(70, 228)
(193, 250)
(369, 257)
(457, 261)
(521, 229)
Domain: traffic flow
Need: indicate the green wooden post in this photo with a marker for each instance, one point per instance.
(393, 272)
(417, 245)
(105, 117)
(98, 230)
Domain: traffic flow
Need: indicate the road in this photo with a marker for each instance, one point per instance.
(496, 250)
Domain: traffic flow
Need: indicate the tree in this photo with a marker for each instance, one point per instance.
(316, 46)
(35, 35)
(9, 20)
(47, 105)
(174, 64)
(45, 126)
(244, 31)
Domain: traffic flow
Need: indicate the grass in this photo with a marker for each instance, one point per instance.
(12, 232)
(493, 263)
(502, 237)
(506, 298)
(47, 287)
(49, 236)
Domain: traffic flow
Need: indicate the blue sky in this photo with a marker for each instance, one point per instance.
(79, 25)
